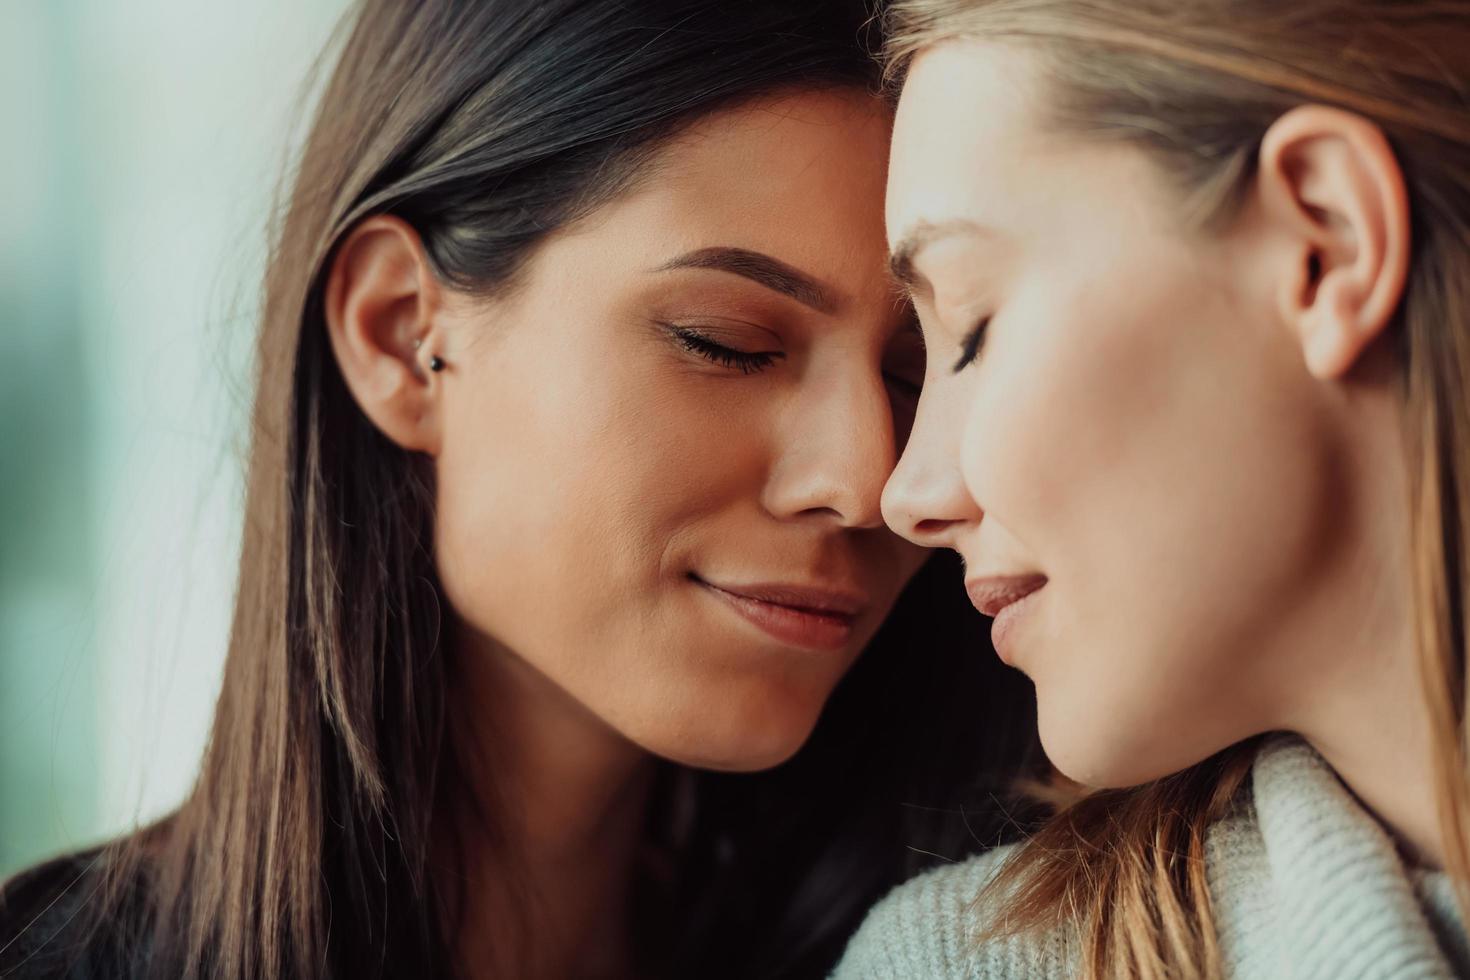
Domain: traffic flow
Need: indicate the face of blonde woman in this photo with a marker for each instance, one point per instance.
(663, 454)
(1121, 428)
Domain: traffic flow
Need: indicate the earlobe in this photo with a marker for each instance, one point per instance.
(381, 299)
(1332, 185)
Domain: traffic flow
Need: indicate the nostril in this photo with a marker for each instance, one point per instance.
(931, 526)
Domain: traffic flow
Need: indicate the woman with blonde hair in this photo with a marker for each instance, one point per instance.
(1195, 282)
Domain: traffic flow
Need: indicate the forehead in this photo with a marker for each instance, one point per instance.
(804, 169)
(796, 176)
(967, 140)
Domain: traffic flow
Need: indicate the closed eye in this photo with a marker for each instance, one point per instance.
(746, 362)
(970, 347)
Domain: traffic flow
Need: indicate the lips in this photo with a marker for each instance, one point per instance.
(1007, 599)
(797, 615)
(993, 594)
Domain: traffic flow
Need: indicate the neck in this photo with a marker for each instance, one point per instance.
(1366, 712)
(568, 798)
(1377, 738)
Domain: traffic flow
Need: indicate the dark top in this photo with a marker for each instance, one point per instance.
(47, 931)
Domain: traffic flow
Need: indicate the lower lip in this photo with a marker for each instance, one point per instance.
(795, 627)
(1007, 621)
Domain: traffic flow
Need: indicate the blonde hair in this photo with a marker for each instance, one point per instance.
(1196, 83)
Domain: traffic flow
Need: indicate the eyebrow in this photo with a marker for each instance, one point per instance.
(761, 268)
(924, 233)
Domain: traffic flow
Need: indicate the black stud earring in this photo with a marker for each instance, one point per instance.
(436, 363)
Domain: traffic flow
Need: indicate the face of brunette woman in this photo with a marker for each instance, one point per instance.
(1151, 465)
(660, 456)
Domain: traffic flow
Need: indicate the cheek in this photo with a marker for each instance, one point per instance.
(572, 497)
(1125, 439)
(562, 487)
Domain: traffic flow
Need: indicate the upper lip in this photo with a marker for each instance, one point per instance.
(993, 593)
(846, 603)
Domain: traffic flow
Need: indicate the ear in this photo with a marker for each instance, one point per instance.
(1329, 179)
(381, 300)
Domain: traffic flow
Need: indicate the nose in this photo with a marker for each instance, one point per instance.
(835, 452)
(926, 499)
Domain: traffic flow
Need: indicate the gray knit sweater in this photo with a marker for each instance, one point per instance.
(1304, 882)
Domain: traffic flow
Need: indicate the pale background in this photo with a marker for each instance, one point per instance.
(141, 144)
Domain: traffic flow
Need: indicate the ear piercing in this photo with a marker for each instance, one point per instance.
(436, 363)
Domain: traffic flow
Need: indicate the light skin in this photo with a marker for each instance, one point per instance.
(1190, 435)
(604, 467)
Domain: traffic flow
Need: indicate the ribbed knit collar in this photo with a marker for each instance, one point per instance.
(1345, 904)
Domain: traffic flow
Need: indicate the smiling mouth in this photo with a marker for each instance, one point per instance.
(992, 595)
(796, 615)
(1007, 600)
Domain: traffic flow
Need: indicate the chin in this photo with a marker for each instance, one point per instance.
(735, 760)
(1097, 755)
(729, 739)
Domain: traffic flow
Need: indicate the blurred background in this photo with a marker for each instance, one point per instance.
(143, 144)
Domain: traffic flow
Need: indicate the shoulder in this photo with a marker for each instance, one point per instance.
(47, 926)
(930, 927)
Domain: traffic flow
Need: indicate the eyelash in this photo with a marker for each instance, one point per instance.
(749, 362)
(970, 348)
(746, 362)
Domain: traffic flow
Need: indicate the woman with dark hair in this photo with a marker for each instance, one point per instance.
(580, 378)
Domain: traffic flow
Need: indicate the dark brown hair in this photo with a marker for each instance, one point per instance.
(304, 850)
